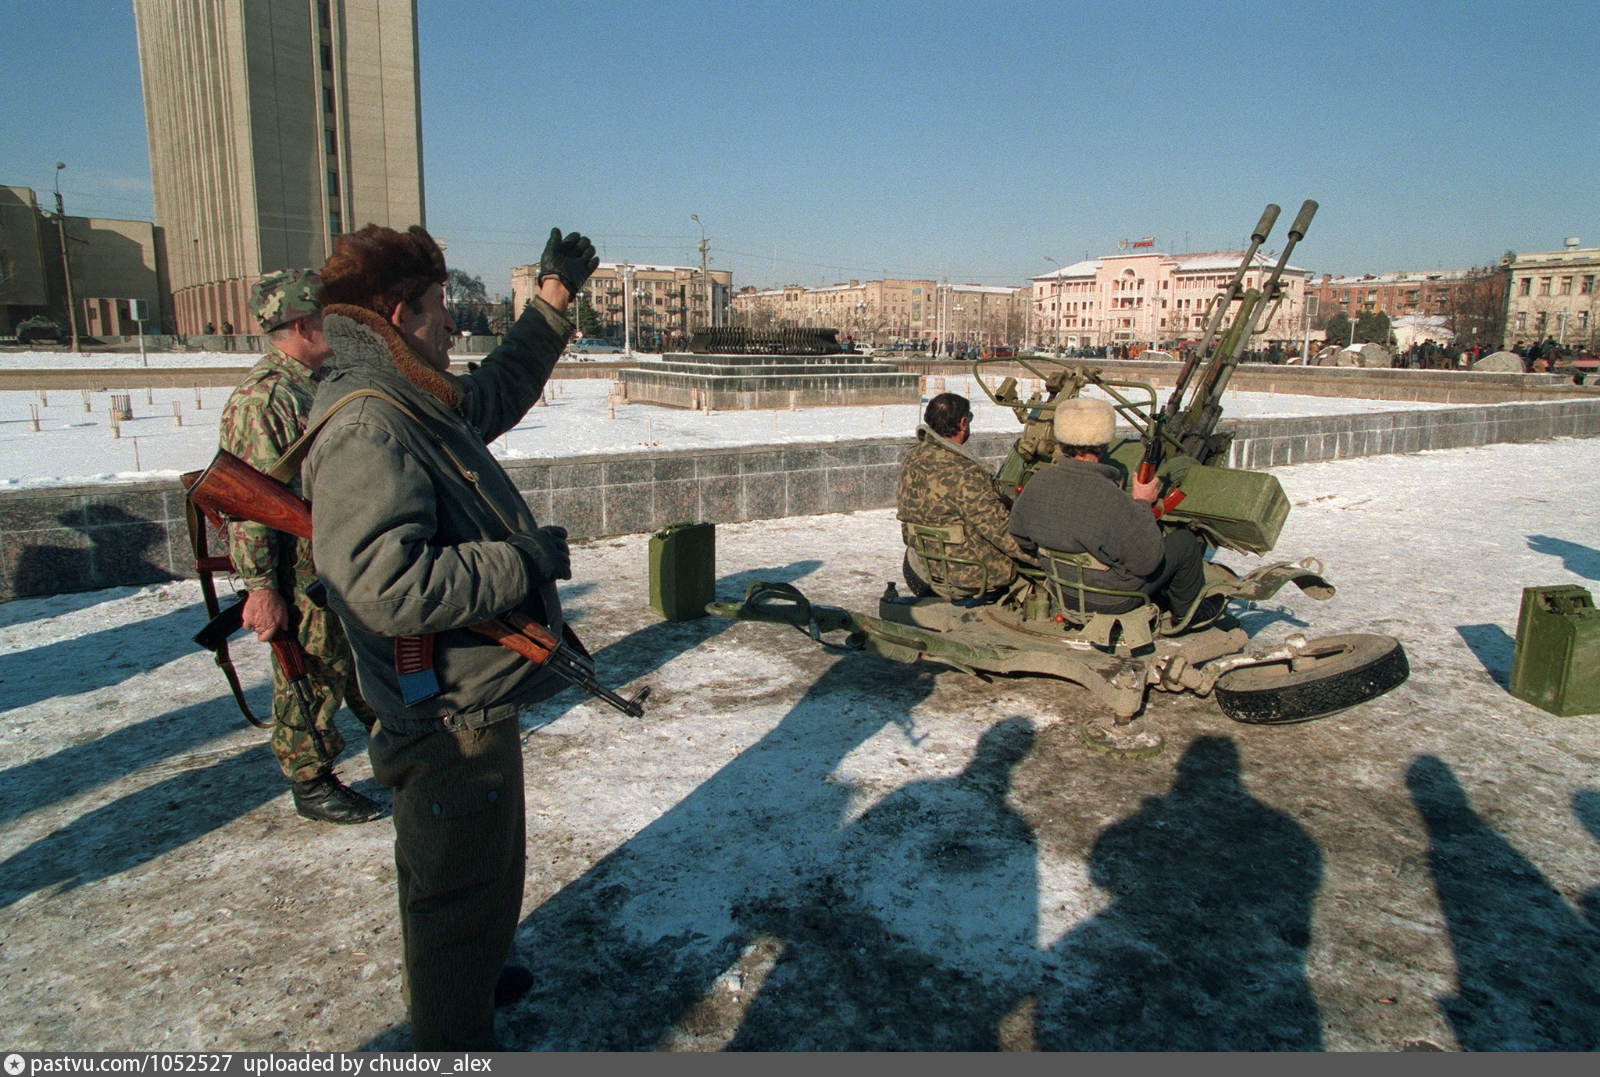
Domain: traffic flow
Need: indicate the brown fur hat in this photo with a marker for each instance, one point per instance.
(378, 267)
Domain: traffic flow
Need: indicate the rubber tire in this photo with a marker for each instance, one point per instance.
(920, 588)
(1257, 695)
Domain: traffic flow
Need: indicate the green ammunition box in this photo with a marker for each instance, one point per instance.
(1244, 510)
(1556, 665)
(683, 570)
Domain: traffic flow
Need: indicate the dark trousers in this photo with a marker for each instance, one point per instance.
(460, 858)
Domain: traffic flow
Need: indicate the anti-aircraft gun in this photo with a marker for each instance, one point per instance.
(1240, 510)
(1033, 628)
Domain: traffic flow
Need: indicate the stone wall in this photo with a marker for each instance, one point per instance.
(81, 538)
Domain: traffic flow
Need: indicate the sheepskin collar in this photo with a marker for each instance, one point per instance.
(442, 386)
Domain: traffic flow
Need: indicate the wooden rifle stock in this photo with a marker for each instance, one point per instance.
(233, 489)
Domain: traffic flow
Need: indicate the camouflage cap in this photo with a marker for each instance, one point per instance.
(285, 296)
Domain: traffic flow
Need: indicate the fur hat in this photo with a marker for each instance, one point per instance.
(1085, 421)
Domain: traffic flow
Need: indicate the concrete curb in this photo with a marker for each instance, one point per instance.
(80, 538)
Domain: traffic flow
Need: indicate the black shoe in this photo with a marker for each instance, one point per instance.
(515, 981)
(1206, 611)
(325, 799)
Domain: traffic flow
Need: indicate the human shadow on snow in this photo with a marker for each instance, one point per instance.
(915, 926)
(1575, 558)
(1527, 964)
(629, 948)
(1203, 946)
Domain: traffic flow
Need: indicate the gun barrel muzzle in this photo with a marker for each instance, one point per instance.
(1264, 225)
(1297, 230)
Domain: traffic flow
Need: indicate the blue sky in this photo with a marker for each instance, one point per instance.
(823, 141)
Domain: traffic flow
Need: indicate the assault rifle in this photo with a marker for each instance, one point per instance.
(1193, 426)
(291, 663)
(233, 489)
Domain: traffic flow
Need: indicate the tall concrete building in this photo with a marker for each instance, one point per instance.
(274, 126)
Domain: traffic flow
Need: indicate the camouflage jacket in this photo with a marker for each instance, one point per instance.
(263, 416)
(942, 484)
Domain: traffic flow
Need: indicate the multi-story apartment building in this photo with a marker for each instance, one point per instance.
(1552, 295)
(1467, 303)
(880, 311)
(1153, 299)
(667, 301)
(274, 126)
(112, 262)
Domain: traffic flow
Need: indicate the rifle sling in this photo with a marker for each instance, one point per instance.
(208, 591)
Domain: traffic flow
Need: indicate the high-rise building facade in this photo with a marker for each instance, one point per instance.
(274, 126)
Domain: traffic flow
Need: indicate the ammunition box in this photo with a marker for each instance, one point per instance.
(1242, 510)
(1556, 665)
(683, 570)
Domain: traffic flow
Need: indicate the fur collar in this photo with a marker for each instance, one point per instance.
(927, 433)
(442, 386)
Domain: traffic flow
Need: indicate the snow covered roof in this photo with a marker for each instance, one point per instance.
(1215, 261)
(1392, 279)
(639, 267)
(988, 289)
(1206, 262)
(1086, 268)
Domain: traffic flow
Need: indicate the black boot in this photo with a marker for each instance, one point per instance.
(514, 982)
(325, 799)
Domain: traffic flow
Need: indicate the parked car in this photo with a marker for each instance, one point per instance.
(594, 345)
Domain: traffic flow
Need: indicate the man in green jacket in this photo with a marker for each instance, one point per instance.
(419, 535)
(263, 416)
(944, 484)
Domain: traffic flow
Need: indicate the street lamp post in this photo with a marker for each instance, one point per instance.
(1055, 293)
(705, 279)
(66, 264)
(626, 271)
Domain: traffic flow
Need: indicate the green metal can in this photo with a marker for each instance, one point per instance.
(683, 570)
(1556, 666)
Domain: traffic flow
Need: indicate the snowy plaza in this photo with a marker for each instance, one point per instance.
(801, 848)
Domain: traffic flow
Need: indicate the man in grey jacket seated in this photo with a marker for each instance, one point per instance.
(420, 534)
(1077, 505)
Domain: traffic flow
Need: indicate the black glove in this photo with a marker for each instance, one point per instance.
(570, 260)
(545, 552)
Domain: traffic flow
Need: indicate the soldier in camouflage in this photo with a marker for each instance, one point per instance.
(944, 485)
(263, 416)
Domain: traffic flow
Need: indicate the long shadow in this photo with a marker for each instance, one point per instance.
(1577, 559)
(121, 547)
(627, 949)
(915, 936)
(1493, 647)
(1203, 946)
(98, 660)
(48, 780)
(141, 826)
(1527, 965)
(1586, 806)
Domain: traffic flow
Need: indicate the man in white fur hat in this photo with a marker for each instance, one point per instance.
(1077, 505)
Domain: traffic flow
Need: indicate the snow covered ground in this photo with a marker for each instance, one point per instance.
(798, 847)
(74, 446)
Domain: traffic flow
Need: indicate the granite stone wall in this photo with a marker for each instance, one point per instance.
(60, 539)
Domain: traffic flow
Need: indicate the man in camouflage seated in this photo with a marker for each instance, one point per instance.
(944, 485)
(265, 414)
